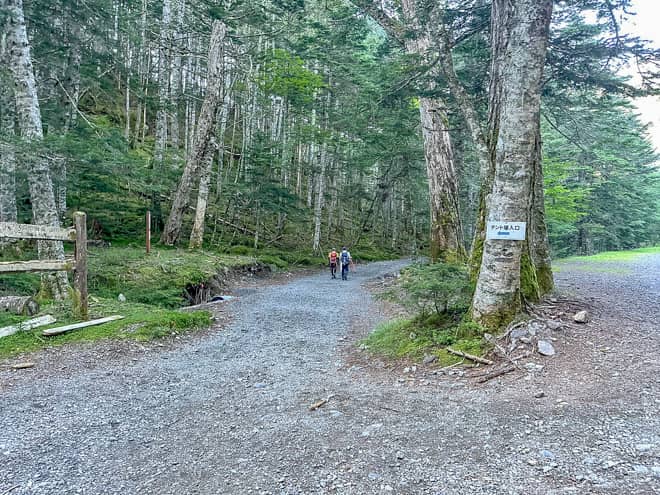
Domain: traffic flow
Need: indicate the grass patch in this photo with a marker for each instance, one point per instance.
(414, 338)
(613, 256)
(141, 322)
(153, 285)
(158, 278)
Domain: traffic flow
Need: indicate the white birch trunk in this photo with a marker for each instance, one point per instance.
(197, 233)
(44, 208)
(497, 298)
(204, 136)
(318, 208)
(163, 85)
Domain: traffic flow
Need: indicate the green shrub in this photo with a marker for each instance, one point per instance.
(276, 261)
(439, 287)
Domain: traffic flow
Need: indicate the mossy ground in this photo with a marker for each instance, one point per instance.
(141, 322)
(414, 338)
(152, 284)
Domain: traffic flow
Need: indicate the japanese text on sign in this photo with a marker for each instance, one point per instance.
(508, 231)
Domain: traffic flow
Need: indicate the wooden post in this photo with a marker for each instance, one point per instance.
(80, 274)
(148, 231)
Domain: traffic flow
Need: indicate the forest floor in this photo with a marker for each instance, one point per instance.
(228, 411)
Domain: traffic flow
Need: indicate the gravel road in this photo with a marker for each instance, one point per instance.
(228, 412)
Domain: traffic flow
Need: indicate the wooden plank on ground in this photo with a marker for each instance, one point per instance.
(74, 326)
(10, 230)
(40, 321)
(36, 266)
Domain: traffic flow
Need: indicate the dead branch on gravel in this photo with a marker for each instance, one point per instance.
(452, 365)
(496, 373)
(492, 340)
(471, 357)
(320, 403)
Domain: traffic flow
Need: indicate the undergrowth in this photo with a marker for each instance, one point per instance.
(438, 295)
(414, 338)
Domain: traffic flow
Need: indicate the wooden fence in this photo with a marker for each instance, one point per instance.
(77, 234)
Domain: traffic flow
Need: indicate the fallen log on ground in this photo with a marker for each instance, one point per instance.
(74, 326)
(19, 305)
(27, 325)
(471, 357)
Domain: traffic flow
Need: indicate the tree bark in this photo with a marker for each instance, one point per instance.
(42, 197)
(163, 85)
(498, 297)
(538, 243)
(446, 231)
(318, 207)
(8, 210)
(204, 137)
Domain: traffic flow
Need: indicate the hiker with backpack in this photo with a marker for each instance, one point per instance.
(346, 260)
(332, 258)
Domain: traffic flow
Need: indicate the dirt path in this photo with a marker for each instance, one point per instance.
(229, 413)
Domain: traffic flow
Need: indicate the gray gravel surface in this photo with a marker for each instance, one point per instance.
(229, 412)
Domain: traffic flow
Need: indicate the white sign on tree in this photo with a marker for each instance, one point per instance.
(507, 231)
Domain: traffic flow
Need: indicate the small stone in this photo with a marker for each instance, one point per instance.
(539, 394)
(373, 476)
(553, 324)
(532, 462)
(259, 385)
(534, 367)
(399, 455)
(581, 317)
(546, 348)
(639, 469)
(121, 298)
(546, 454)
(429, 358)
(371, 429)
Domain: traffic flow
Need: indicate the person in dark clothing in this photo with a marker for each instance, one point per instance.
(346, 259)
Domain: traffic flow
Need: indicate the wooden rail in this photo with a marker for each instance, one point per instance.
(77, 234)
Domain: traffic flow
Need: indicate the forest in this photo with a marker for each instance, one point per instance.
(396, 128)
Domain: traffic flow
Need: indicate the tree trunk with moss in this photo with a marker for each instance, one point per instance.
(8, 211)
(538, 230)
(497, 297)
(446, 231)
(42, 197)
(446, 239)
